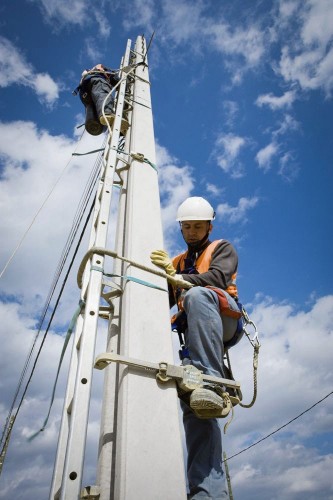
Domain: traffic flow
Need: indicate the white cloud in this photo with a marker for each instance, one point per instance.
(32, 162)
(231, 109)
(287, 8)
(248, 43)
(226, 151)
(317, 27)
(74, 12)
(65, 11)
(276, 102)
(14, 69)
(213, 189)
(182, 22)
(309, 60)
(102, 21)
(265, 155)
(238, 213)
(311, 69)
(288, 357)
(46, 88)
(289, 168)
(92, 50)
(176, 184)
(140, 13)
(287, 124)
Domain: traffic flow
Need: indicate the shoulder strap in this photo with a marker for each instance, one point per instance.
(205, 258)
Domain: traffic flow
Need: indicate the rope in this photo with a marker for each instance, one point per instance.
(110, 253)
(255, 382)
(150, 163)
(132, 278)
(89, 152)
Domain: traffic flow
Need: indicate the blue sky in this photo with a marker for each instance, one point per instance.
(242, 103)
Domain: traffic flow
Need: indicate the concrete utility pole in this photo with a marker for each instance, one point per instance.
(140, 452)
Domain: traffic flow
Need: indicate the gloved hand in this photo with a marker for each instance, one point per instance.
(178, 281)
(161, 259)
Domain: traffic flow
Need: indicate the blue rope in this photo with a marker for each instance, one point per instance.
(135, 280)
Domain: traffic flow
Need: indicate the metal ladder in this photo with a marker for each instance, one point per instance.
(127, 430)
(68, 468)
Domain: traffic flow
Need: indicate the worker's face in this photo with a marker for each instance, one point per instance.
(195, 230)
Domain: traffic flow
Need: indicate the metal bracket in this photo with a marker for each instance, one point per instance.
(187, 377)
(137, 156)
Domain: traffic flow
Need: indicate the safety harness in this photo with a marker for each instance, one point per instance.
(179, 320)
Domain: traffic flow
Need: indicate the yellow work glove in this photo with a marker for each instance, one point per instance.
(161, 259)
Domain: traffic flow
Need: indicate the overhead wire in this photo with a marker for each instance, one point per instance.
(281, 427)
(13, 417)
(76, 223)
(14, 252)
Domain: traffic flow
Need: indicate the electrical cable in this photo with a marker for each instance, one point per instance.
(76, 223)
(281, 427)
(52, 316)
(37, 213)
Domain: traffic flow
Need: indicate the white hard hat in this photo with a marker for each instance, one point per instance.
(195, 208)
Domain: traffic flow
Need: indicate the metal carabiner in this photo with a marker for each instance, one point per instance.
(255, 339)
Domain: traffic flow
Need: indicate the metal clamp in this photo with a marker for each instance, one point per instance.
(255, 338)
(187, 377)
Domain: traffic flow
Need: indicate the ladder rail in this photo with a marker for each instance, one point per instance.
(68, 470)
(107, 449)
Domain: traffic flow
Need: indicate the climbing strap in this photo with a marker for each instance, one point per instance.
(89, 152)
(141, 157)
(127, 278)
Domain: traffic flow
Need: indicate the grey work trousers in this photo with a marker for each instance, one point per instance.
(204, 340)
(99, 89)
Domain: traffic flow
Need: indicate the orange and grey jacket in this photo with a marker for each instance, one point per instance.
(215, 265)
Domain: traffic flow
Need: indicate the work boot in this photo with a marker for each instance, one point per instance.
(206, 403)
(110, 118)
